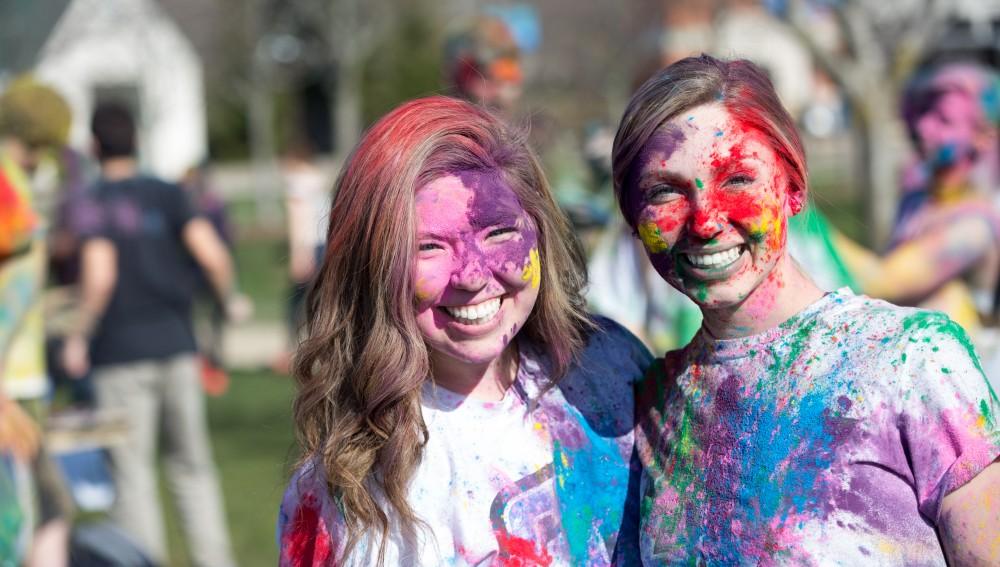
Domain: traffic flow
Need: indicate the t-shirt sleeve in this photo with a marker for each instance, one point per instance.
(948, 417)
(637, 357)
(179, 208)
(600, 382)
(90, 218)
(310, 526)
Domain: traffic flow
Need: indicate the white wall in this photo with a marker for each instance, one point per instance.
(107, 43)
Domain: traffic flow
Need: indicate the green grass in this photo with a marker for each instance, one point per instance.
(261, 264)
(252, 438)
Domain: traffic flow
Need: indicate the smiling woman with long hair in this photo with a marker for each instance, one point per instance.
(798, 427)
(456, 403)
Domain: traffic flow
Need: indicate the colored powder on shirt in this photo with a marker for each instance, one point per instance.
(519, 552)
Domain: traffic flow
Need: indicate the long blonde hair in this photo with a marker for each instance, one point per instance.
(361, 367)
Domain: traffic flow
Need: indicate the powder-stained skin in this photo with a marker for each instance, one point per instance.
(739, 206)
(476, 243)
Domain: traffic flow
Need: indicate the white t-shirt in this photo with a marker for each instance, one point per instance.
(829, 440)
(501, 483)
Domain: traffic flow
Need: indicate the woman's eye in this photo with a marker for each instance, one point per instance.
(428, 246)
(501, 231)
(662, 194)
(739, 180)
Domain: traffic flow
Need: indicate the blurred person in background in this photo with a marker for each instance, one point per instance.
(945, 248)
(482, 64)
(135, 328)
(307, 206)
(34, 119)
(18, 435)
(209, 204)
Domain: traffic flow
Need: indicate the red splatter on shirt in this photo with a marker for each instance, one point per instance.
(307, 542)
(519, 552)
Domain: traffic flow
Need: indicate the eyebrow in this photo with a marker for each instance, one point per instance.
(494, 217)
(667, 176)
(430, 234)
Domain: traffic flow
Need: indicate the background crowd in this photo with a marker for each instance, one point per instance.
(165, 170)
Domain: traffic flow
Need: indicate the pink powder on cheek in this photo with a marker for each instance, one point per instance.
(763, 303)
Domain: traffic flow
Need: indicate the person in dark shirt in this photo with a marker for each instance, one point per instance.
(139, 263)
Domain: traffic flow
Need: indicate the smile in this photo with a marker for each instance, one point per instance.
(714, 260)
(477, 314)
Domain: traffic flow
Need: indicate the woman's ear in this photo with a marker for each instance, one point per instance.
(796, 199)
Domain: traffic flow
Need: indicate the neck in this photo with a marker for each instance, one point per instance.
(118, 168)
(784, 293)
(487, 381)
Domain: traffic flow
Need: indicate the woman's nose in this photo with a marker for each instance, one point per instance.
(472, 274)
(706, 222)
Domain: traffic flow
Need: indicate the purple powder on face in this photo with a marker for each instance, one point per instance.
(661, 146)
(495, 204)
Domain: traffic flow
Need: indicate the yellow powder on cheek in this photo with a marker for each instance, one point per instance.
(533, 269)
(652, 238)
(769, 225)
(420, 290)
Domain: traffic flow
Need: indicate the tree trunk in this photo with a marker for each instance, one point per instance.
(260, 128)
(265, 178)
(347, 111)
(877, 159)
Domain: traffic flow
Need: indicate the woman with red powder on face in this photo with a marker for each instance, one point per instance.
(799, 426)
(456, 404)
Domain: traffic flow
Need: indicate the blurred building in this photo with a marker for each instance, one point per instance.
(750, 29)
(127, 51)
(971, 30)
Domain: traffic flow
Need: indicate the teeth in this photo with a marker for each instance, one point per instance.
(475, 314)
(715, 260)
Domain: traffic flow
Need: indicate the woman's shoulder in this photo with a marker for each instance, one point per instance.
(859, 317)
(870, 318)
(600, 382)
(909, 351)
(610, 340)
(611, 358)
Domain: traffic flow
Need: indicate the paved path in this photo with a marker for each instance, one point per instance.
(253, 345)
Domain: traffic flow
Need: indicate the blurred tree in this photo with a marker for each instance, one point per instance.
(593, 50)
(405, 64)
(882, 43)
(354, 29)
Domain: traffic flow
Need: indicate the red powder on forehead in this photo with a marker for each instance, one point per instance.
(753, 125)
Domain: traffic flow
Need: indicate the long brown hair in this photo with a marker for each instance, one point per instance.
(739, 85)
(361, 367)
